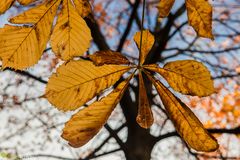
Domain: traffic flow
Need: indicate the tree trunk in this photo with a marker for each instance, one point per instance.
(139, 144)
(139, 141)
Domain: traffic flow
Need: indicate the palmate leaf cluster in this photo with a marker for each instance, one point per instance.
(72, 87)
(22, 46)
(76, 82)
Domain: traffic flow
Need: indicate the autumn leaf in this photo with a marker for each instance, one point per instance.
(77, 82)
(42, 15)
(108, 57)
(200, 17)
(186, 76)
(184, 120)
(164, 7)
(145, 116)
(146, 45)
(21, 51)
(87, 122)
(5, 5)
(71, 36)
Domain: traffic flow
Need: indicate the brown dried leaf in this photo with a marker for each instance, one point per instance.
(145, 116)
(108, 57)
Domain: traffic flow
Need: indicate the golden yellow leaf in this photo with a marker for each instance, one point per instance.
(42, 18)
(83, 7)
(186, 76)
(145, 116)
(164, 7)
(71, 36)
(186, 123)
(87, 122)
(77, 82)
(147, 43)
(200, 17)
(5, 5)
(18, 47)
(108, 57)
(25, 2)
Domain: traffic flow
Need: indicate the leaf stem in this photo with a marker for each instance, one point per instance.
(143, 14)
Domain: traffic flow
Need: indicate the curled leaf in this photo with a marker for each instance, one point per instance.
(108, 57)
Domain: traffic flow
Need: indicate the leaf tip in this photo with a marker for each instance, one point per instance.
(146, 124)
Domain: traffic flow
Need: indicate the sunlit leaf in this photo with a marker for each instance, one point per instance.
(200, 17)
(108, 57)
(18, 47)
(71, 36)
(5, 5)
(186, 76)
(42, 18)
(164, 7)
(87, 122)
(185, 122)
(145, 116)
(147, 43)
(77, 82)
